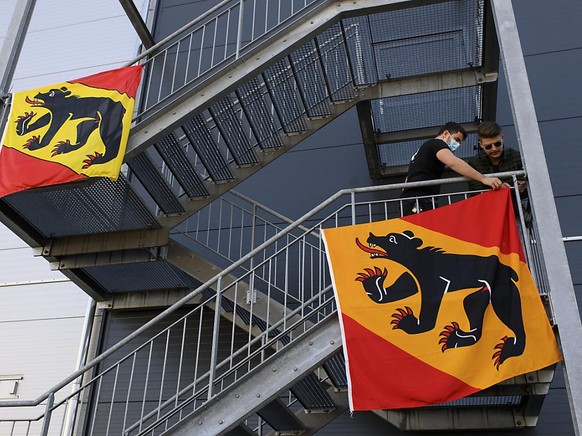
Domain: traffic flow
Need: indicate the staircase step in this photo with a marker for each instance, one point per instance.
(251, 99)
(308, 72)
(155, 184)
(230, 126)
(177, 161)
(336, 371)
(312, 395)
(281, 419)
(283, 91)
(207, 149)
(332, 49)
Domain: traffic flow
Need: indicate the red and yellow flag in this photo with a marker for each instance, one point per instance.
(437, 306)
(68, 131)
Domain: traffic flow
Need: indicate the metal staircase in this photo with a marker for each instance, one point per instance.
(207, 123)
(218, 362)
(255, 324)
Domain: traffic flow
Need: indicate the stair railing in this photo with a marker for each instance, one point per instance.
(129, 392)
(212, 41)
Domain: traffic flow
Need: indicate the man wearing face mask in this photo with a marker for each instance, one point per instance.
(429, 163)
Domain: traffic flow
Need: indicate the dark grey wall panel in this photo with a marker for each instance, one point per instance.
(569, 212)
(548, 25)
(563, 149)
(574, 252)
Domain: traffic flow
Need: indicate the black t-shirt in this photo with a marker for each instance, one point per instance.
(424, 165)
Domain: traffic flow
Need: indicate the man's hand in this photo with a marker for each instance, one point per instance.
(492, 182)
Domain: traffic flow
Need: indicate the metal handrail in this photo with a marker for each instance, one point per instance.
(212, 32)
(351, 205)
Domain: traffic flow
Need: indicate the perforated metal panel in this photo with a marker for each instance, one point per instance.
(141, 277)
(98, 207)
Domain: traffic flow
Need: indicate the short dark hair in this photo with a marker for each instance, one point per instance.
(453, 127)
(488, 129)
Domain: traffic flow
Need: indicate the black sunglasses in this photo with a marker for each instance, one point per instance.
(496, 144)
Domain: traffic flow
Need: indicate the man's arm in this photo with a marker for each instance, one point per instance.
(461, 167)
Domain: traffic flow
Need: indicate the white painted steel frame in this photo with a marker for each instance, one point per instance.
(563, 298)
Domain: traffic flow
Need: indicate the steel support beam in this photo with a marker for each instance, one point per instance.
(115, 241)
(138, 24)
(13, 42)
(562, 296)
(411, 135)
(265, 308)
(9, 54)
(490, 64)
(108, 258)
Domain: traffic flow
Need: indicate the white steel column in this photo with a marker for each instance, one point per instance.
(12, 46)
(562, 295)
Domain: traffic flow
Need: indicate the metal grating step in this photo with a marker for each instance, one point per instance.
(312, 395)
(177, 161)
(229, 124)
(251, 98)
(336, 371)
(283, 91)
(360, 48)
(336, 63)
(113, 206)
(155, 184)
(305, 63)
(281, 419)
(207, 149)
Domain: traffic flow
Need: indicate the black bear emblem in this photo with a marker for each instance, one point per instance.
(438, 273)
(100, 113)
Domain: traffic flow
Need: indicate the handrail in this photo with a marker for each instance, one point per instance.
(173, 35)
(208, 43)
(180, 303)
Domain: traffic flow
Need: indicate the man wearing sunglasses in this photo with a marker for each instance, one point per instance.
(495, 159)
(429, 163)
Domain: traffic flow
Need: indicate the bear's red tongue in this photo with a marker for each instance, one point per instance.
(368, 249)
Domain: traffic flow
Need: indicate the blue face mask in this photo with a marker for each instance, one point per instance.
(453, 145)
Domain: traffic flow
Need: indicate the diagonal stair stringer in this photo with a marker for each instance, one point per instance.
(275, 376)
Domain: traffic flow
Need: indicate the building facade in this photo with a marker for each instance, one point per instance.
(330, 159)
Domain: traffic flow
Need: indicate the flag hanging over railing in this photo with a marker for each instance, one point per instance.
(68, 131)
(437, 306)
